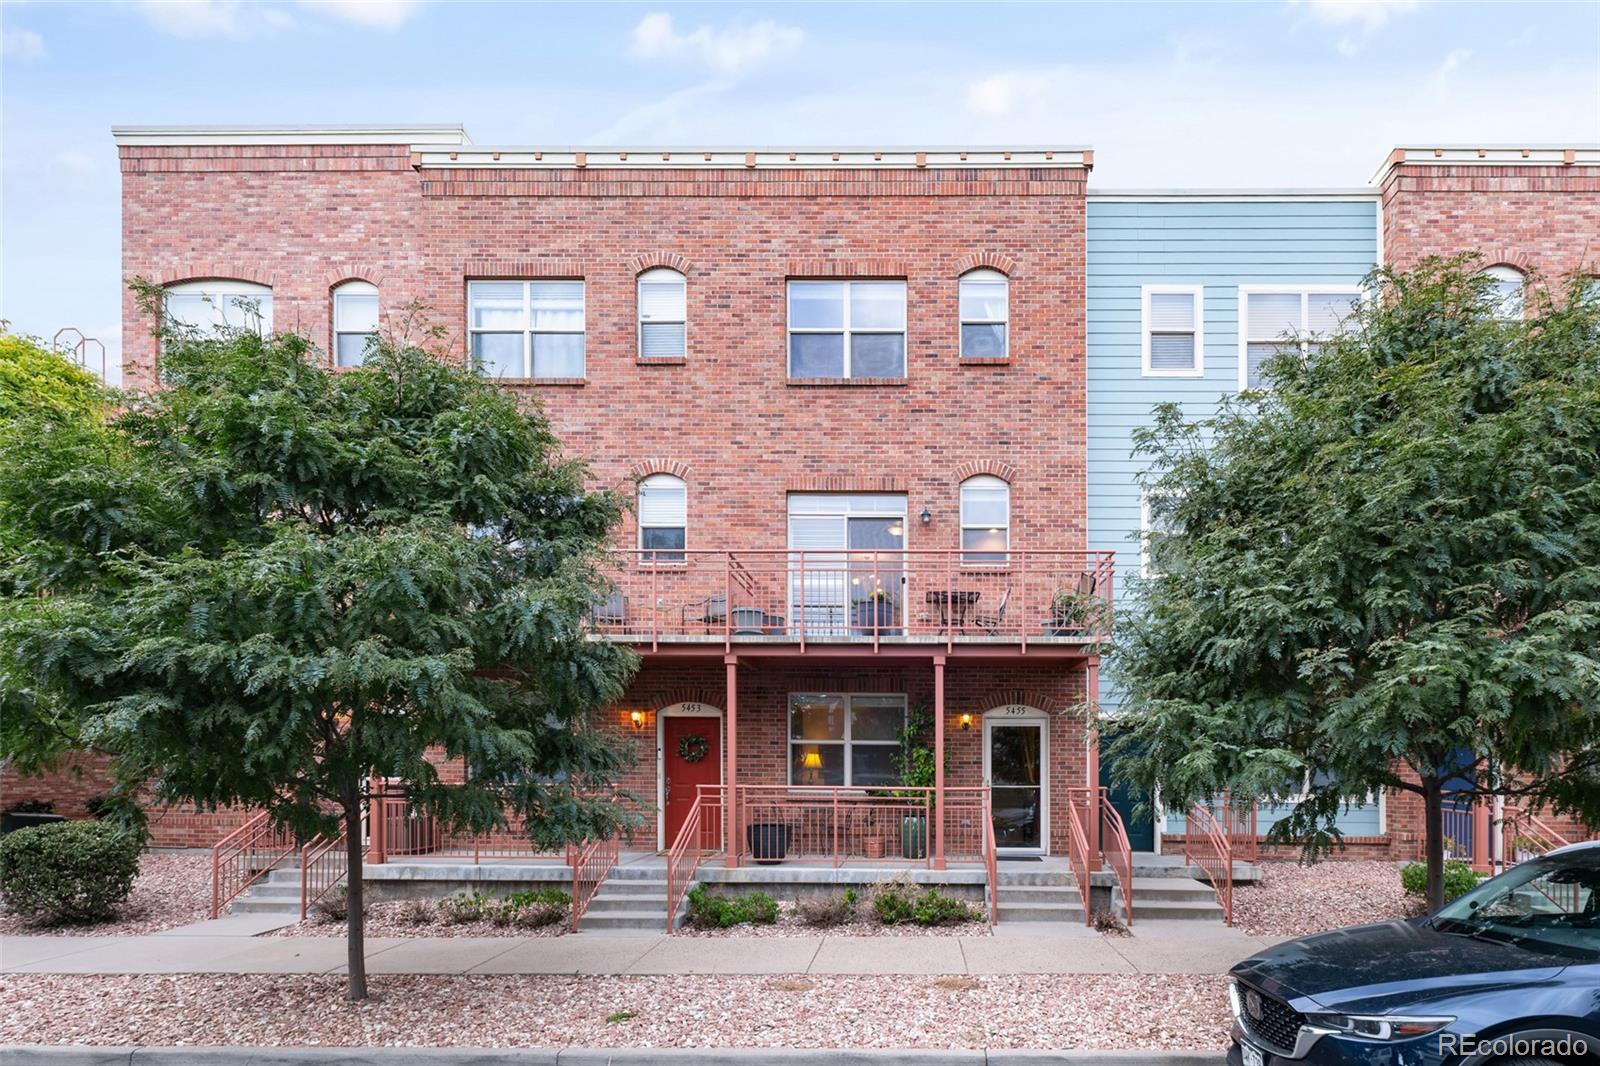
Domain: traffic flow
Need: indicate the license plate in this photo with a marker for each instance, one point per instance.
(1252, 1056)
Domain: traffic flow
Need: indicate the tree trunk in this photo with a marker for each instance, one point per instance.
(356, 920)
(1433, 838)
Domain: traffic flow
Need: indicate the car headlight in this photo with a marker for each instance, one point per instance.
(1380, 1026)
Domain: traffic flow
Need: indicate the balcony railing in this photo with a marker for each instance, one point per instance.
(876, 597)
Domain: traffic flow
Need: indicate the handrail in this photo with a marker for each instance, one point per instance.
(1519, 825)
(590, 868)
(1206, 845)
(244, 856)
(324, 862)
(684, 858)
(1116, 849)
(991, 862)
(839, 823)
(1078, 849)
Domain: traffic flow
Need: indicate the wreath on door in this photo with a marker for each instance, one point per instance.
(693, 747)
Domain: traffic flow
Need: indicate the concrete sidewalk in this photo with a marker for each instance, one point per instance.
(1156, 947)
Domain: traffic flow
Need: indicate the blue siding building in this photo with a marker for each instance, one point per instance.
(1186, 293)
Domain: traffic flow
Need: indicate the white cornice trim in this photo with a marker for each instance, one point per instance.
(428, 135)
(602, 158)
(1491, 155)
(1225, 195)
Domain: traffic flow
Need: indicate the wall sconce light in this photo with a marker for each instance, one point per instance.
(636, 719)
(926, 516)
(966, 723)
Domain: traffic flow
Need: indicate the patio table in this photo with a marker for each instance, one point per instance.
(953, 605)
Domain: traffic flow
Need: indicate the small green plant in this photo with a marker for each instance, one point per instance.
(463, 908)
(709, 911)
(851, 897)
(68, 872)
(1458, 879)
(617, 1017)
(893, 903)
(532, 909)
(899, 903)
(825, 911)
(334, 906)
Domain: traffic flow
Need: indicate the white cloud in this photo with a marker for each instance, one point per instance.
(21, 44)
(381, 14)
(1362, 17)
(727, 50)
(1003, 94)
(1442, 73)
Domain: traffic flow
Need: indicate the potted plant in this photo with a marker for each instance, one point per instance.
(1074, 613)
(915, 763)
(876, 612)
(769, 841)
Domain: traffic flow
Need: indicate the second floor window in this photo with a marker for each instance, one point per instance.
(355, 321)
(663, 314)
(847, 329)
(663, 518)
(1174, 344)
(985, 520)
(527, 329)
(1271, 318)
(985, 311)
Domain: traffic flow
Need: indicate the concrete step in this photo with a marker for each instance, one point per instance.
(1172, 889)
(617, 887)
(606, 902)
(250, 905)
(1031, 894)
(653, 921)
(1166, 909)
(1041, 912)
(1007, 878)
(276, 890)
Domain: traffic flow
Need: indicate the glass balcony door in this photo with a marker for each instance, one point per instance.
(846, 573)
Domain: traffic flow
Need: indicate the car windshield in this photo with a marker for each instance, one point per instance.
(1550, 903)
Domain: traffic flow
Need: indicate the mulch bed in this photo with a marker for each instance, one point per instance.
(173, 889)
(1144, 1011)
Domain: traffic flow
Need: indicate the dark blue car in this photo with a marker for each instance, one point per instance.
(1508, 974)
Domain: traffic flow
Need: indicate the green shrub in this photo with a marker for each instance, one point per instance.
(851, 896)
(1458, 878)
(899, 903)
(67, 872)
(532, 909)
(334, 906)
(462, 908)
(825, 911)
(894, 903)
(708, 911)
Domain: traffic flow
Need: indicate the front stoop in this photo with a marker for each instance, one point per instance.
(277, 895)
(1169, 897)
(1038, 896)
(630, 901)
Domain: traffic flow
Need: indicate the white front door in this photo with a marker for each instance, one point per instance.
(1016, 772)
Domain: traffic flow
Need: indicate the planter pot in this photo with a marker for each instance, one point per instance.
(914, 836)
(748, 620)
(13, 820)
(873, 847)
(769, 841)
(875, 612)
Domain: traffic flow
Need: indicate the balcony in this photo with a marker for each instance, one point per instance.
(873, 599)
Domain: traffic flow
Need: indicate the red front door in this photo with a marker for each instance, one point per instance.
(685, 769)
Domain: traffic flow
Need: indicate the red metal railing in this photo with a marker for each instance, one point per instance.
(1080, 854)
(1206, 844)
(396, 831)
(858, 596)
(839, 824)
(1116, 850)
(324, 862)
(699, 836)
(591, 865)
(244, 856)
(991, 862)
(1524, 835)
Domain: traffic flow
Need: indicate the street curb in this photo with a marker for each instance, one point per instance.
(54, 1055)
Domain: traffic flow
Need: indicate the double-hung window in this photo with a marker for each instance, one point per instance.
(1276, 318)
(663, 518)
(527, 329)
(210, 308)
(1505, 295)
(1173, 331)
(985, 519)
(985, 314)
(355, 321)
(847, 329)
(663, 314)
(848, 740)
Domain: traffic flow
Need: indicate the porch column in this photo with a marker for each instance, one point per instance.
(730, 803)
(1092, 761)
(1482, 815)
(938, 762)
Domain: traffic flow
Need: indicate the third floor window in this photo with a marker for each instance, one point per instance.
(847, 329)
(527, 329)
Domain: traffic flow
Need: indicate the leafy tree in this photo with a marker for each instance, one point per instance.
(1382, 573)
(326, 578)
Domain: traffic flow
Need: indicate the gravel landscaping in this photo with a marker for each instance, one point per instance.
(1148, 1011)
(1295, 900)
(406, 919)
(173, 889)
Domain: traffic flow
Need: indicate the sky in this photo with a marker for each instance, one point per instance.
(1280, 93)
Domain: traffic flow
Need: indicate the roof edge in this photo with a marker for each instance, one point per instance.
(1496, 155)
(407, 134)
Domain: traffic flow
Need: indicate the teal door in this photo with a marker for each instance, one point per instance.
(1141, 831)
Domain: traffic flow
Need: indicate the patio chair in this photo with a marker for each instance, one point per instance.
(711, 612)
(611, 611)
(991, 623)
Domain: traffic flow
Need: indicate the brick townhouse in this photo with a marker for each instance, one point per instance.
(873, 432)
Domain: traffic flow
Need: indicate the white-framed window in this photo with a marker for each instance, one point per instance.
(218, 304)
(663, 518)
(526, 329)
(1272, 316)
(663, 314)
(1154, 527)
(355, 321)
(1506, 289)
(985, 314)
(847, 329)
(1173, 331)
(843, 739)
(985, 519)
